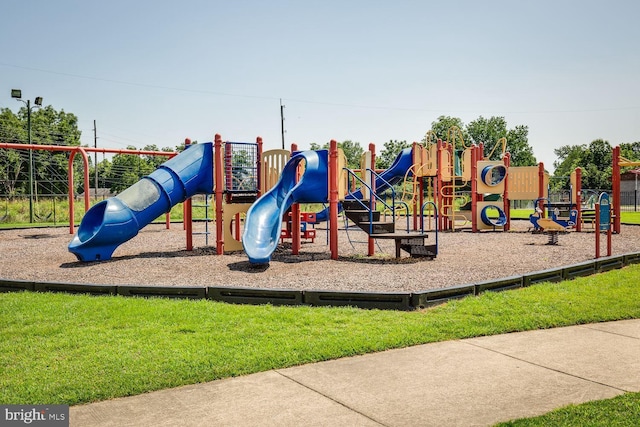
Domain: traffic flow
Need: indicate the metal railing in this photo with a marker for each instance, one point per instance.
(374, 198)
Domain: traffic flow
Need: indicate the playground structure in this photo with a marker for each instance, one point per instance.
(236, 181)
(618, 162)
(454, 188)
(469, 190)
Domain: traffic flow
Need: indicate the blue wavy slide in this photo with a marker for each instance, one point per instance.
(264, 218)
(112, 222)
(393, 175)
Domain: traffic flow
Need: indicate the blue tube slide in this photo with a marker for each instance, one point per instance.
(500, 221)
(393, 175)
(112, 222)
(264, 218)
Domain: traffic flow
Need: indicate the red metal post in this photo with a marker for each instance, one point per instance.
(219, 186)
(474, 188)
(333, 198)
(87, 198)
(188, 223)
(187, 142)
(438, 186)
(259, 165)
(71, 194)
(609, 240)
(371, 247)
(597, 230)
(615, 186)
(450, 193)
(87, 192)
(420, 203)
(417, 210)
(541, 188)
(296, 240)
(505, 195)
(579, 199)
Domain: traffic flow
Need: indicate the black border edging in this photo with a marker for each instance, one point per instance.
(550, 275)
(16, 285)
(255, 295)
(586, 268)
(609, 263)
(497, 285)
(379, 300)
(631, 258)
(438, 296)
(75, 288)
(182, 292)
(367, 300)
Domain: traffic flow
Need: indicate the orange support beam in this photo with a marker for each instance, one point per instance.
(474, 188)
(371, 248)
(541, 188)
(333, 198)
(219, 185)
(505, 194)
(579, 199)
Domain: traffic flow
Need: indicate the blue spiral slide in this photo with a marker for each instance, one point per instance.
(392, 176)
(112, 222)
(264, 218)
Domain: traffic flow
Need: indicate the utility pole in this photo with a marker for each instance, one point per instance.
(95, 145)
(282, 121)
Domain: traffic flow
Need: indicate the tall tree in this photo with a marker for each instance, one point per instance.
(491, 131)
(389, 153)
(12, 164)
(48, 127)
(594, 159)
(519, 148)
(352, 151)
(126, 170)
(443, 128)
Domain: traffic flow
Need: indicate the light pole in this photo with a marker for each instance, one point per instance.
(17, 94)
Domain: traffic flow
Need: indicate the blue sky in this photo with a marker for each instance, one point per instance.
(156, 72)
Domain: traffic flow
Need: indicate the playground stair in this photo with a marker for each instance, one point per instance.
(369, 221)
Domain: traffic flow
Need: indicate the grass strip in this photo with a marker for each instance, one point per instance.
(59, 348)
(621, 411)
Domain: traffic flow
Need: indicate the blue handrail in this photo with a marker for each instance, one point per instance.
(406, 206)
(373, 195)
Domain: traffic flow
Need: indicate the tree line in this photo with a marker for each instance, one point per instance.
(49, 170)
(488, 131)
(52, 127)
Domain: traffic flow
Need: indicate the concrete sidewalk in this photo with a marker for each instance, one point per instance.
(472, 382)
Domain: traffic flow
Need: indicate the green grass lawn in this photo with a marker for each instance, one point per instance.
(630, 218)
(59, 348)
(620, 411)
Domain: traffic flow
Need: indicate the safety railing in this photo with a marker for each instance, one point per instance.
(374, 198)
